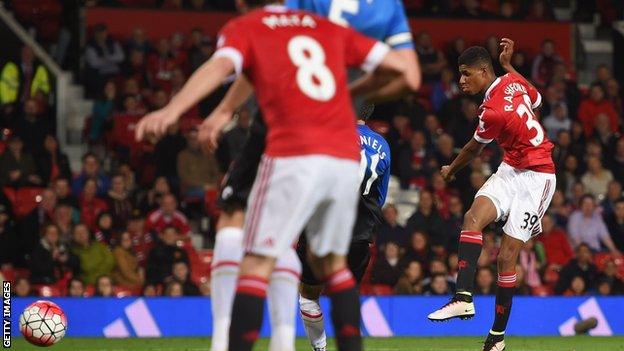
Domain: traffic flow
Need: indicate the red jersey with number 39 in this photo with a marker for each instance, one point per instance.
(506, 115)
(297, 63)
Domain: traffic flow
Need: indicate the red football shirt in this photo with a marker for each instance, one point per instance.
(506, 115)
(297, 64)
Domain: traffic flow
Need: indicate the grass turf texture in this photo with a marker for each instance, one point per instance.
(578, 343)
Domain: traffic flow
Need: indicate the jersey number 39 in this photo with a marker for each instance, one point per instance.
(314, 78)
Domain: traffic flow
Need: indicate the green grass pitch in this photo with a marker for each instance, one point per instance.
(578, 343)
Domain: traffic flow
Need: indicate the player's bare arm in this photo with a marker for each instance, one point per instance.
(410, 73)
(393, 86)
(505, 59)
(203, 82)
(211, 127)
(469, 152)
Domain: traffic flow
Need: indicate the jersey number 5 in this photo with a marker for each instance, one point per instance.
(338, 7)
(525, 109)
(313, 77)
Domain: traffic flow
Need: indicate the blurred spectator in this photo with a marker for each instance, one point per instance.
(167, 215)
(610, 275)
(172, 4)
(95, 258)
(431, 60)
(104, 56)
(539, 11)
(91, 170)
(462, 128)
(387, 269)
(604, 135)
(90, 205)
(615, 225)
(105, 233)
(594, 106)
(197, 171)
(149, 290)
(484, 281)
(75, 288)
(587, 226)
(29, 227)
(507, 11)
(52, 163)
(560, 209)
(556, 245)
(61, 188)
(418, 249)
(153, 197)
(197, 5)
(433, 130)
(204, 287)
(597, 178)
(160, 65)
(557, 121)
(522, 288)
(438, 286)
(410, 282)
(180, 273)
(444, 90)
(471, 9)
(617, 160)
(162, 256)
(412, 162)
(582, 266)
(232, 141)
(136, 68)
(426, 219)
(198, 57)
(9, 237)
(603, 75)
(138, 41)
(544, 63)
(521, 63)
(51, 260)
(390, 229)
(532, 259)
(22, 288)
(452, 56)
(17, 167)
(142, 240)
(614, 194)
(604, 287)
(104, 287)
(119, 202)
(31, 77)
(492, 43)
(127, 270)
(64, 221)
(577, 287)
(562, 149)
(174, 289)
(166, 153)
(32, 127)
(441, 195)
(453, 223)
(613, 95)
(101, 115)
(489, 253)
(178, 52)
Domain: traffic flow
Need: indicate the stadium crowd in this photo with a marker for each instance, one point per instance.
(122, 224)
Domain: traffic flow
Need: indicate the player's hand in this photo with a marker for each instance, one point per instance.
(155, 124)
(445, 172)
(507, 53)
(210, 132)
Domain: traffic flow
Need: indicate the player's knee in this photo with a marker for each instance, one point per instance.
(471, 222)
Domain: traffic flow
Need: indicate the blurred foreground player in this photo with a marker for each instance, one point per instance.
(374, 177)
(383, 20)
(309, 172)
(518, 193)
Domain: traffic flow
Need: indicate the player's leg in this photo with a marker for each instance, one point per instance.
(329, 234)
(282, 298)
(481, 213)
(506, 285)
(310, 290)
(282, 200)
(228, 253)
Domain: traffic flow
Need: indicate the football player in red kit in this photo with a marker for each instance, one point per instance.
(518, 193)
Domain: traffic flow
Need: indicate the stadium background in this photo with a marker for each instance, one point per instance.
(83, 96)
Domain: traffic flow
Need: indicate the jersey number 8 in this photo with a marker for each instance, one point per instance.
(313, 77)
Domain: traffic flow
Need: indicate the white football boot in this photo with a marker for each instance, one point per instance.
(456, 308)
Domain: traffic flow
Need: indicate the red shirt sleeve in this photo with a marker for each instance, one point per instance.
(234, 43)
(490, 125)
(363, 52)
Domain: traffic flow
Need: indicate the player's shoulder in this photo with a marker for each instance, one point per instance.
(367, 133)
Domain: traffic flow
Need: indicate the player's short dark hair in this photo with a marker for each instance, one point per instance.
(365, 111)
(475, 55)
